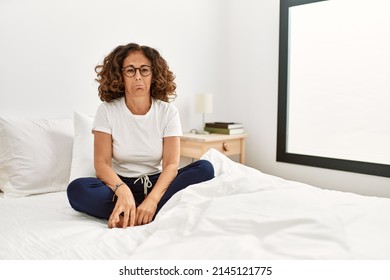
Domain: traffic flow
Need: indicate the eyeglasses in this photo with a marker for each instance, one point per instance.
(144, 70)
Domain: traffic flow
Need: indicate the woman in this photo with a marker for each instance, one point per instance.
(136, 142)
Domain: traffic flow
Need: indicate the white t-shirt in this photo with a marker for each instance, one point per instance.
(137, 139)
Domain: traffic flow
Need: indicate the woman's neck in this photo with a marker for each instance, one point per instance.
(138, 106)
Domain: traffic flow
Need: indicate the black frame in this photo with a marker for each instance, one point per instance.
(282, 154)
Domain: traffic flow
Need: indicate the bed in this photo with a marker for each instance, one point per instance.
(240, 214)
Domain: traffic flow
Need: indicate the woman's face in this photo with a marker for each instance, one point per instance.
(137, 75)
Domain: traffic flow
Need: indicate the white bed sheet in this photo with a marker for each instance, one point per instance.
(240, 214)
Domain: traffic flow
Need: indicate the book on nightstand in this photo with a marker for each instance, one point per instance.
(229, 125)
(230, 128)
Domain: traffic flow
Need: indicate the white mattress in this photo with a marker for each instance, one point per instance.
(240, 214)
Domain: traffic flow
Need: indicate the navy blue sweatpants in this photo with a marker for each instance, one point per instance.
(90, 195)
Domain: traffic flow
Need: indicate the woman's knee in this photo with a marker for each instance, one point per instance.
(74, 186)
(207, 168)
(78, 189)
(90, 195)
(73, 191)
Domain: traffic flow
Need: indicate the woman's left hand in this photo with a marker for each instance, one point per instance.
(146, 211)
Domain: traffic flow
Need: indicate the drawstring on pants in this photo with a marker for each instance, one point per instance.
(147, 184)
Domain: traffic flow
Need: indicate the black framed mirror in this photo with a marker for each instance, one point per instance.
(334, 85)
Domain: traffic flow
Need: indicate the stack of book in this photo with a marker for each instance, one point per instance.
(224, 127)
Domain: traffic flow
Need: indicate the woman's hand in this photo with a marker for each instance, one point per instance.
(125, 204)
(146, 211)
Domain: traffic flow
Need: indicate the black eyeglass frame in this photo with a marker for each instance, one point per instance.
(139, 69)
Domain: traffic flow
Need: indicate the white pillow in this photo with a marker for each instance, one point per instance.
(35, 155)
(82, 159)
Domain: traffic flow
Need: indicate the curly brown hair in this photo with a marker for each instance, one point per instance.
(110, 79)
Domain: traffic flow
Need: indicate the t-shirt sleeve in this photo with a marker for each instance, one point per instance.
(173, 127)
(102, 121)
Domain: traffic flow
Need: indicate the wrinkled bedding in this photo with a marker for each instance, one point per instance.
(240, 214)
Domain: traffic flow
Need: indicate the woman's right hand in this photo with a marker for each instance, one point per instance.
(125, 204)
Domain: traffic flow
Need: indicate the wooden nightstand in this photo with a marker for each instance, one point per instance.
(195, 145)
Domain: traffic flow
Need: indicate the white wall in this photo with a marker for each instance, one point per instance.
(49, 49)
